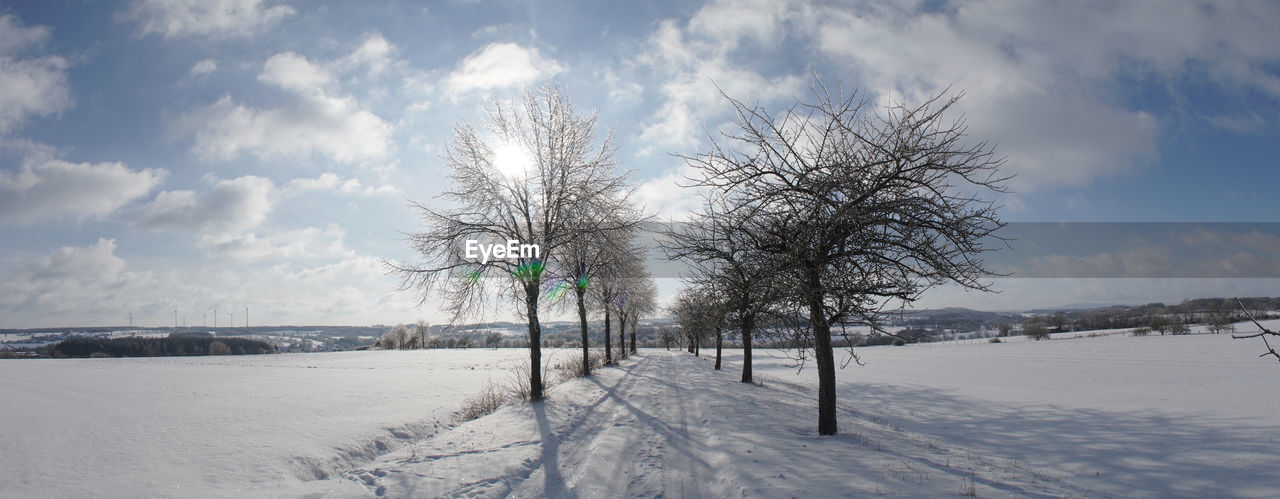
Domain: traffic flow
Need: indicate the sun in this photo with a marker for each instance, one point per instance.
(511, 160)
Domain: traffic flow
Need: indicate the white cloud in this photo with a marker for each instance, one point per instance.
(51, 285)
(330, 181)
(92, 285)
(729, 22)
(665, 196)
(375, 54)
(315, 120)
(291, 71)
(1041, 79)
(50, 189)
(693, 63)
(500, 65)
(96, 263)
(307, 244)
(1055, 127)
(203, 68)
(29, 86)
(493, 30)
(205, 18)
(230, 206)
(620, 90)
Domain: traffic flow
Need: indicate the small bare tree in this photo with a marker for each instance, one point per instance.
(701, 310)
(1220, 322)
(637, 295)
(607, 223)
(1035, 329)
(398, 338)
(721, 255)
(611, 286)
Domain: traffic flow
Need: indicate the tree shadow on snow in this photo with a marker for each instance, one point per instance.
(1116, 452)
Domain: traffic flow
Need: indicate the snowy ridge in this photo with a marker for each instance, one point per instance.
(347, 457)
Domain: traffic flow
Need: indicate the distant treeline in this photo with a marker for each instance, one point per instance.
(177, 345)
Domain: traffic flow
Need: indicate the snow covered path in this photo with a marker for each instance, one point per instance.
(666, 424)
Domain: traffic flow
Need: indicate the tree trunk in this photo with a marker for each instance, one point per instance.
(582, 318)
(719, 342)
(697, 346)
(633, 337)
(608, 348)
(825, 358)
(748, 324)
(622, 336)
(535, 342)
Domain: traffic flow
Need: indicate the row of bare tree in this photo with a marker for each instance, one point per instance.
(535, 174)
(826, 215)
(831, 214)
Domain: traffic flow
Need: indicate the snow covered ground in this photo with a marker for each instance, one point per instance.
(1106, 416)
(231, 424)
(1159, 416)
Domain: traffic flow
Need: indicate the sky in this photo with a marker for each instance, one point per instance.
(162, 155)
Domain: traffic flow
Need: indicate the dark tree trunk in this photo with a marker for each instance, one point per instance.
(633, 337)
(748, 324)
(582, 318)
(608, 348)
(719, 342)
(825, 358)
(535, 342)
(622, 337)
(697, 346)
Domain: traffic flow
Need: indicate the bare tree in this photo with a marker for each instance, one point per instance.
(1160, 323)
(1220, 322)
(637, 296)
(421, 331)
(395, 339)
(522, 182)
(611, 286)
(644, 302)
(666, 337)
(701, 309)
(607, 223)
(1035, 329)
(866, 209)
(721, 254)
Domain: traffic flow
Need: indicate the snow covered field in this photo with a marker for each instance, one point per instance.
(1106, 416)
(1188, 416)
(231, 424)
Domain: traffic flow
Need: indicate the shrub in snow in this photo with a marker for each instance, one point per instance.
(1142, 331)
(481, 404)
